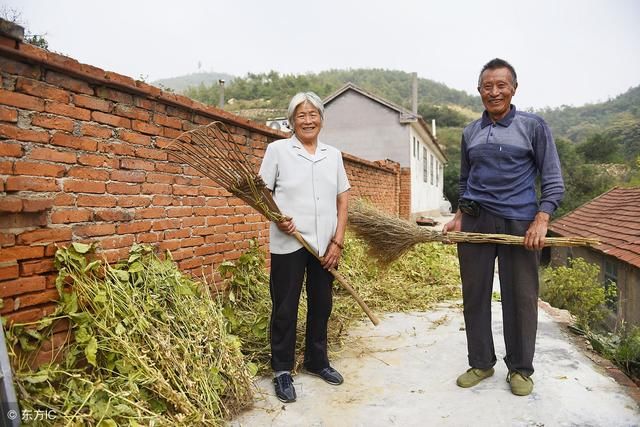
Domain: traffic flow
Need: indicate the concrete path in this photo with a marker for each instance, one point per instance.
(403, 373)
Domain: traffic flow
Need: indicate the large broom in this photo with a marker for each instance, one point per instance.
(389, 237)
(211, 151)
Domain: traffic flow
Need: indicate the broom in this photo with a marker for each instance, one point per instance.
(389, 237)
(211, 151)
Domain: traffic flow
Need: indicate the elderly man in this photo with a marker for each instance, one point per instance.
(502, 155)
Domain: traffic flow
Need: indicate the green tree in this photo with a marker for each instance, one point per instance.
(599, 148)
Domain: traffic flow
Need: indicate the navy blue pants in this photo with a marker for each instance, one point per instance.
(285, 282)
(518, 273)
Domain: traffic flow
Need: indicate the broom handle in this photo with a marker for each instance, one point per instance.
(340, 278)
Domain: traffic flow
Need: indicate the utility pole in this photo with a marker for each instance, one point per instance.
(221, 101)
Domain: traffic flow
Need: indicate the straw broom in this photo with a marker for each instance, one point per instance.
(389, 237)
(211, 151)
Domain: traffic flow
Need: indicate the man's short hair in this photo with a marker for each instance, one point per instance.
(499, 63)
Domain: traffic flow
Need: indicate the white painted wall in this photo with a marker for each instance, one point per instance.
(425, 195)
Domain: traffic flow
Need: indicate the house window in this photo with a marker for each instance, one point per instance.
(611, 283)
(438, 166)
(425, 166)
(431, 167)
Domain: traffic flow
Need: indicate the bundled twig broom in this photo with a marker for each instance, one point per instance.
(389, 237)
(211, 151)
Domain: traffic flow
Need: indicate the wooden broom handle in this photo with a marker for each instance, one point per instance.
(340, 278)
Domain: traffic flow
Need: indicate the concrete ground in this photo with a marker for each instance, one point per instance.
(403, 373)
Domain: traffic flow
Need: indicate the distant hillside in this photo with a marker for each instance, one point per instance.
(180, 83)
(579, 123)
(272, 91)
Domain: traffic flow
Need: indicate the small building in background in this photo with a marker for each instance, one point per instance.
(368, 126)
(614, 218)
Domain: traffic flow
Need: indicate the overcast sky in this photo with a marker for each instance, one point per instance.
(566, 52)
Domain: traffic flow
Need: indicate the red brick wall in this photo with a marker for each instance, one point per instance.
(377, 182)
(405, 193)
(82, 159)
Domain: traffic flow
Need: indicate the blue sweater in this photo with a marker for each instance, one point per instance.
(500, 162)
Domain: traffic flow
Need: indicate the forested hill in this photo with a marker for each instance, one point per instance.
(267, 94)
(618, 117)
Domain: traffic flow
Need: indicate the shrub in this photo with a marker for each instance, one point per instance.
(576, 288)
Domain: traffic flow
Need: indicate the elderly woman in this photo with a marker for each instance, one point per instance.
(310, 185)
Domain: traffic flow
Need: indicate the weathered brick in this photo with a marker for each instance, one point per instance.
(122, 188)
(136, 164)
(77, 142)
(148, 237)
(45, 235)
(25, 316)
(9, 270)
(114, 95)
(52, 122)
(67, 110)
(156, 188)
(179, 212)
(110, 119)
(177, 234)
(29, 268)
(97, 201)
(181, 190)
(98, 160)
(119, 78)
(171, 133)
(11, 204)
(192, 241)
(162, 200)
(88, 173)
(14, 67)
(83, 186)
(115, 148)
(98, 131)
(133, 201)
(128, 176)
(193, 221)
(38, 169)
(36, 205)
(6, 167)
(28, 183)
(193, 263)
(92, 103)
(14, 132)
(29, 300)
(21, 100)
(64, 199)
(131, 112)
(134, 227)
(8, 114)
(94, 230)
(168, 168)
(202, 231)
(144, 127)
(166, 224)
(160, 178)
(8, 149)
(70, 216)
(151, 153)
(41, 90)
(164, 120)
(38, 153)
(68, 83)
(114, 255)
(117, 242)
(151, 213)
(134, 137)
(21, 286)
(110, 215)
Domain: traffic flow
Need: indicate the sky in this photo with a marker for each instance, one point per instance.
(566, 52)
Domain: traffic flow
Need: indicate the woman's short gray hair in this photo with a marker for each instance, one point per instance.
(302, 97)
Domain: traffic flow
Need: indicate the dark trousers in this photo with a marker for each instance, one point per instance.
(287, 275)
(518, 273)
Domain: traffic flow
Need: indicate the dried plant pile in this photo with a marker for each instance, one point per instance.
(212, 151)
(151, 348)
(389, 237)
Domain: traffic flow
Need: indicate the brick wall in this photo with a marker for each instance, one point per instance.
(82, 159)
(405, 193)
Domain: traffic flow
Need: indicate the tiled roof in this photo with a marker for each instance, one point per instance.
(613, 217)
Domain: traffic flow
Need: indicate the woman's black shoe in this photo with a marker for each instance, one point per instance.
(284, 388)
(328, 374)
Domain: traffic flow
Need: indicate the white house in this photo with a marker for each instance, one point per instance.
(365, 125)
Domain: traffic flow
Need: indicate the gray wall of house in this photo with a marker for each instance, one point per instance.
(360, 126)
(628, 280)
